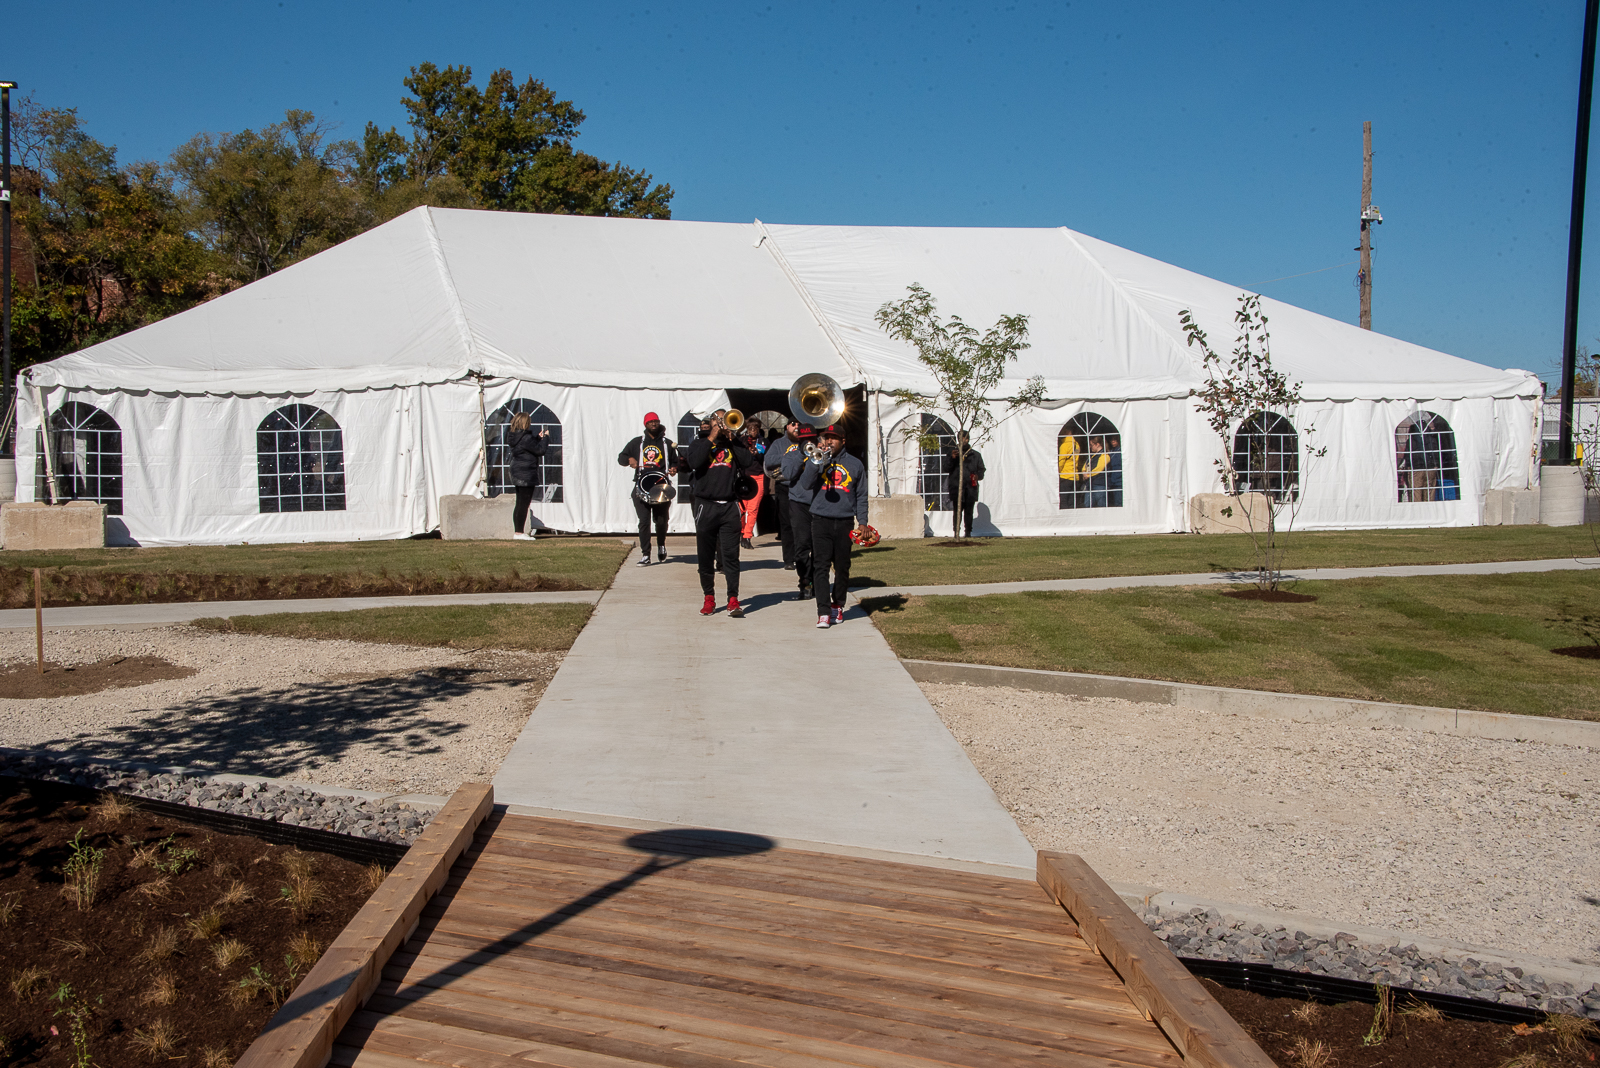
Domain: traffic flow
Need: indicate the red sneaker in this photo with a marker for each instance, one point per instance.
(837, 616)
(710, 605)
(733, 608)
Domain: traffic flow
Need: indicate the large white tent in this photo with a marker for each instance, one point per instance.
(341, 397)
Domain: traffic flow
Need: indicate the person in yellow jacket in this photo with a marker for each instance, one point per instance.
(1077, 464)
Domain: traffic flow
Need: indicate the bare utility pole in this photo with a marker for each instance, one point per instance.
(1580, 182)
(1369, 215)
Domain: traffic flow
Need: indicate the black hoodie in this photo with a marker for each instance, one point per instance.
(716, 468)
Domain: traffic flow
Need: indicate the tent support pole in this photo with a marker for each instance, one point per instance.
(50, 486)
(483, 443)
(877, 432)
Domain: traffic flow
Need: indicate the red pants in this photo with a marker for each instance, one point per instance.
(751, 507)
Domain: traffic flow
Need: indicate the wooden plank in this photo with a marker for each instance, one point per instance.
(301, 1033)
(861, 946)
(427, 1039)
(889, 1024)
(611, 938)
(1161, 987)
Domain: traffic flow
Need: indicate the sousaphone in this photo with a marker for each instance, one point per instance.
(816, 400)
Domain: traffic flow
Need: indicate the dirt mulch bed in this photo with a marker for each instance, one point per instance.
(1274, 596)
(66, 589)
(191, 941)
(24, 681)
(1582, 652)
(1291, 1033)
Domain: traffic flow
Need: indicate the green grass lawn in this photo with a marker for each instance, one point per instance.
(923, 562)
(1456, 641)
(538, 628)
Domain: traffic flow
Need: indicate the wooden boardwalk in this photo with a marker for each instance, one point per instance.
(583, 946)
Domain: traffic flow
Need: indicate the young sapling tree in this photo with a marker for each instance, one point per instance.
(967, 367)
(1237, 389)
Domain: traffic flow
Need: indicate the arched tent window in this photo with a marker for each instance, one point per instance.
(87, 450)
(929, 439)
(1089, 462)
(1266, 456)
(495, 432)
(300, 461)
(1425, 459)
(688, 430)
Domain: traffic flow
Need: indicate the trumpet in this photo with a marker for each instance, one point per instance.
(816, 400)
(732, 419)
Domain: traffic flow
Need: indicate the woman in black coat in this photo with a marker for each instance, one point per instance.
(527, 448)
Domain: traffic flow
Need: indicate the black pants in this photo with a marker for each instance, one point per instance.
(800, 530)
(830, 544)
(785, 524)
(965, 518)
(716, 534)
(662, 514)
(519, 511)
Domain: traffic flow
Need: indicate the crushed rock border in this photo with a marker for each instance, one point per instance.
(1206, 934)
(394, 821)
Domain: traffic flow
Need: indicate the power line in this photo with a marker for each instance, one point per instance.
(1302, 274)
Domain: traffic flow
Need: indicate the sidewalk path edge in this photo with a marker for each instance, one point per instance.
(1465, 723)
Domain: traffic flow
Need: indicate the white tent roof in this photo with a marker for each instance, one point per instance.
(437, 294)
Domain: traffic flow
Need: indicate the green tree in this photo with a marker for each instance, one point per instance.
(967, 368)
(109, 244)
(263, 200)
(504, 146)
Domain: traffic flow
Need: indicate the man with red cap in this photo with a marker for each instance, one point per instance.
(651, 453)
(838, 484)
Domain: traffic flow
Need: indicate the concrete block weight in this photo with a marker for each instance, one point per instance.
(74, 525)
(463, 517)
(899, 516)
(1561, 496)
(1511, 508)
(1206, 513)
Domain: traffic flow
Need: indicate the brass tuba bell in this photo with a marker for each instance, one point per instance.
(816, 400)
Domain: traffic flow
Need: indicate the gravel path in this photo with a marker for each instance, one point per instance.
(392, 718)
(1480, 841)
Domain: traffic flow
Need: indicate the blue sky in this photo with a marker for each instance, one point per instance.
(1222, 137)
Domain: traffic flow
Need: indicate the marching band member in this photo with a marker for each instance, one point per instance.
(838, 505)
(755, 442)
(772, 464)
(716, 461)
(651, 452)
(799, 505)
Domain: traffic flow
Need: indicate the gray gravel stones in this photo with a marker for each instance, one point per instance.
(291, 805)
(1207, 934)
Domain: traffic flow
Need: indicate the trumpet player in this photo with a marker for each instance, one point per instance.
(799, 506)
(778, 481)
(716, 461)
(650, 453)
(838, 482)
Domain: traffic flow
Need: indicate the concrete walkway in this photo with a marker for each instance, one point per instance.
(979, 589)
(763, 724)
(162, 615)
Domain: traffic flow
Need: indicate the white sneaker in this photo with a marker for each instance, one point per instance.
(519, 536)
(644, 561)
(823, 623)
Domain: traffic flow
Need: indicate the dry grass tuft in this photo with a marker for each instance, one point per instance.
(156, 888)
(299, 864)
(223, 869)
(159, 1040)
(302, 894)
(305, 948)
(216, 1057)
(374, 876)
(1382, 1016)
(1310, 1054)
(114, 808)
(236, 894)
(1308, 1012)
(1572, 1032)
(159, 945)
(1420, 1010)
(10, 905)
(226, 952)
(163, 990)
(27, 982)
(145, 856)
(205, 926)
(78, 947)
(1529, 1059)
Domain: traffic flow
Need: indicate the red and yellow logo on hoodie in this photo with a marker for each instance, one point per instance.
(722, 458)
(653, 457)
(837, 478)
